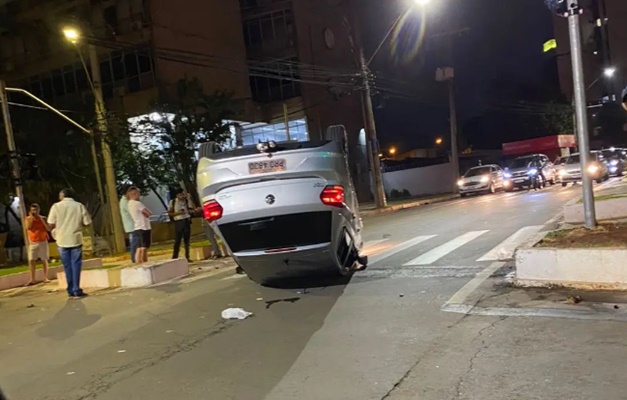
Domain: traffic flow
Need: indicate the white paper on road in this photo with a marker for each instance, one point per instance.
(440, 251)
(505, 249)
(235, 313)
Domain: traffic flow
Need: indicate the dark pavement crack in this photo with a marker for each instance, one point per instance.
(471, 362)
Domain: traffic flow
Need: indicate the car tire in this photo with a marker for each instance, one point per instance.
(606, 177)
(599, 180)
(463, 194)
(564, 184)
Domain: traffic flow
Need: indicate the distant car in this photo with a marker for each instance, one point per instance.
(597, 169)
(517, 171)
(558, 166)
(482, 179)
(615, 159)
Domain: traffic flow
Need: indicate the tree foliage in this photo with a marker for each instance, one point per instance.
(179, 125)
(558, 119)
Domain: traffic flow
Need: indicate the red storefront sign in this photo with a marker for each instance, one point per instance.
(539, 145)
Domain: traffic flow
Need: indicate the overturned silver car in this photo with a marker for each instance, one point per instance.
(284, 209)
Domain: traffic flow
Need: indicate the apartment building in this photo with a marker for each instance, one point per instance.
(281, 59)
(604, 34)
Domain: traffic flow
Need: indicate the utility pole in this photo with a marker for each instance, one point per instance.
(101, 117)
(453, 118)
(371, 134)
(14, 160)
(579, 87)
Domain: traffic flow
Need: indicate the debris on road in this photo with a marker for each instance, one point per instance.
(30, 306)
(573, 299)
(70, 373)
(121, 351)
(235, 313)
(259, 298)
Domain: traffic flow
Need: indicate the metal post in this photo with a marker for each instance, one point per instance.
(13, 157)
(453, 120)
(287, 122)
(116, 219)
(371, 134)
(581, 112)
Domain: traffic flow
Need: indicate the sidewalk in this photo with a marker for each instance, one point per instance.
(370, 209)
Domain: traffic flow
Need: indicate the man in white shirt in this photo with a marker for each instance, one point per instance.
(129, 225)
(141, 222)
(67, 218)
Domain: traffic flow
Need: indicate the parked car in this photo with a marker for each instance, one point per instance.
(597, 169)
(284, 209)
(615, 159)
(558, 166)
(482, 179)
(517, 171)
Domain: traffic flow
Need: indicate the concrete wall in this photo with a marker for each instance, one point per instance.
(433, 179)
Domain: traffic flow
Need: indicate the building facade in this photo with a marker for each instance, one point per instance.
(604, 35)
(288, 63)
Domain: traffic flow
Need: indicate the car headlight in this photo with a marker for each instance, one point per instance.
(460, 182)
(593, 169)
(507, 175)
(532, 171)
(562, 172)
(484, 179)
(614, 162)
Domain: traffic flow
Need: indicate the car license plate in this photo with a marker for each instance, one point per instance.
(519, 180)
(264, 167)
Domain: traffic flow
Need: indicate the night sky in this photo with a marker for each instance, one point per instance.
(498, 62)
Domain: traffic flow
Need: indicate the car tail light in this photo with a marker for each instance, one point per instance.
(333, 196)
(212, 210)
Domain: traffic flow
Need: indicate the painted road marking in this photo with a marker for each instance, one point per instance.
(440, 251)
(458, 298)
(505, 249)
(398, 248)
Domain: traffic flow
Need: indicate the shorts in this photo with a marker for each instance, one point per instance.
(144, 239)
(38, 251)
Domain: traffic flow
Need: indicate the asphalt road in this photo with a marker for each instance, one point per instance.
(380, 336)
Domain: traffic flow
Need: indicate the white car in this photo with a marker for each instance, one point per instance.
(284, 209)
(482, 179)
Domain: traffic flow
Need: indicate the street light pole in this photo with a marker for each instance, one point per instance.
(453, 121)
(110, 181)
(371, 133)
(13, 157)
(574, 30)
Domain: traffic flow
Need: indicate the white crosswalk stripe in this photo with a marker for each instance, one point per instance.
(505, 249)
(398, 248)
(441, 251)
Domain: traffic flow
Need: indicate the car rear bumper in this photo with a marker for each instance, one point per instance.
(262, 266)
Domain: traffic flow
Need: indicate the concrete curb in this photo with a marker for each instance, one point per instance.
(609, 209)
(131, 277)
(592, 269)
(21, 279)
(417, 203)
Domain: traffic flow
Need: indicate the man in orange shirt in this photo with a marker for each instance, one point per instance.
(38, 229)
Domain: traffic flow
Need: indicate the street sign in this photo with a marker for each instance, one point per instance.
(550, 45)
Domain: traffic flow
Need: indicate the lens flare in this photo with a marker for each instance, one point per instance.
(408, 36)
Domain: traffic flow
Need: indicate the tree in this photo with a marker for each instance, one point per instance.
(174, 132)
(558, 118)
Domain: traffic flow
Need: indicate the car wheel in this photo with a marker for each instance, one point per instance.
(599, 180)
(606, 177)
(564, 184)
(463, 194)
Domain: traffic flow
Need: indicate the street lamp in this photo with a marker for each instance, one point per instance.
(73, 35)
(439, 141)
(392, 151)
(609, 72)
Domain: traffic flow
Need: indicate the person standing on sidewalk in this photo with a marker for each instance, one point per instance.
(67, 219)
(211, 236)
(38, 229)
(141, 224)
(180, 210)
(129, 225)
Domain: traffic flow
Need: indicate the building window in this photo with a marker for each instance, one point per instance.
(270, 32)
(275, 81)
(131, 70)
